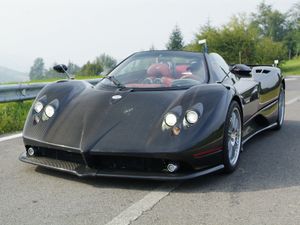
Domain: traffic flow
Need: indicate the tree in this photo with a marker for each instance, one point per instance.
(239, 42)
(51, 73)
(208, 32)
(294, 15)
(267, 51)
(270, 23)
(73, 68)
(235, 41)
(175, 40)
(292, 39)
(152, 47)
(37, 71)
(106, 62)
(90, 69)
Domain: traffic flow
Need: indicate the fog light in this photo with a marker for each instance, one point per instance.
(172, 167)
(30, 151)
(36, 119)
(176, 130)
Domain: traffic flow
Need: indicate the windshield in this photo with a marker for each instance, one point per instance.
(159, 69)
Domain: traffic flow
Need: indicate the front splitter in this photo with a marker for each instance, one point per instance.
(84, 171)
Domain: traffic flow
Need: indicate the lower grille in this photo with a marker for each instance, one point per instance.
(59, 155)
(128, 163)
(54, 163)
(72, 161)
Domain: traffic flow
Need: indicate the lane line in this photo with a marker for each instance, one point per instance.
(290, 79)
(292, 101)
(295, 76)
(133, 212)
(10, 137)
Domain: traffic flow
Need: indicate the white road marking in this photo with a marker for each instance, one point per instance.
(292, 101)
(295, 76)
(290, 79)
(10, 137)
(133, 212)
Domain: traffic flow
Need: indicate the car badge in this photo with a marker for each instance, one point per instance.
(116, 97)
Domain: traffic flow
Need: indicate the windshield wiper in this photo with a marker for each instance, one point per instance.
(115, 81)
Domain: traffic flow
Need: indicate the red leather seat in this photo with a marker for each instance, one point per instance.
(159, 70)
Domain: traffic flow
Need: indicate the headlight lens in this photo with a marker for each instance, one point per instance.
(38, 107)
(170, 119)
(191, 117)
(49, 111)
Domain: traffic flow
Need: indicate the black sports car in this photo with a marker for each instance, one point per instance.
(158, 115)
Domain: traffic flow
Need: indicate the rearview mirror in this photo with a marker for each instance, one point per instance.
(60, 68)
(241, 70)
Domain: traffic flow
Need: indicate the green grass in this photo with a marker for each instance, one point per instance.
(291, 67)
(13, 116)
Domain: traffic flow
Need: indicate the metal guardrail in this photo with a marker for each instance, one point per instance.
(22, 92)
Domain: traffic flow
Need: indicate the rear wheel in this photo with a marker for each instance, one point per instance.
(232, 137)
(281, 109)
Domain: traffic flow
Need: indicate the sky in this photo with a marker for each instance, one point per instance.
(79, 30)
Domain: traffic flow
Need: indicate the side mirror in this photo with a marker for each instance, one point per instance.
(60, 68)
(241, 70)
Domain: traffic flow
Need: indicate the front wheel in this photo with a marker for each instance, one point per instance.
(232, 137)
(281, 109)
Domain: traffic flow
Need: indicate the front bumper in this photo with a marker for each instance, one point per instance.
(85, 171)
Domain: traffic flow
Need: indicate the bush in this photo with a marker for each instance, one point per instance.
(13, 116)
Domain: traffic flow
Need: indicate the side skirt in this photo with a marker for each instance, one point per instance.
(259, 131)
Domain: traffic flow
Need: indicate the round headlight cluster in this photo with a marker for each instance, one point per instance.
(170, 119)
(38, 107)
(49, 111)
(191, 116)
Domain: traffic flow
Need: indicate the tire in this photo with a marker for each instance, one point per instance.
(233, 134)
(281, 109)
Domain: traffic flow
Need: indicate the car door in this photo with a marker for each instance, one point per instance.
(247, 88)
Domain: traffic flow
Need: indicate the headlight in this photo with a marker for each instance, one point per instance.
(49, 111)
(38, 107)
(191, 117)
(170, 119)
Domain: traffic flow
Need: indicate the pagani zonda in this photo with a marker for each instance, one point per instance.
(157, 115)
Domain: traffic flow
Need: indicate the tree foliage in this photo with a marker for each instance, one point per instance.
(73, 68)
(106, 62)
(90, 69)
(102, 63)
(270, 23)
(175, 40)
(235, 41)
(267, 51)
(37, 71)
(260, 38)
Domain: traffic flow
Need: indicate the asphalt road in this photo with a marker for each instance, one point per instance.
(264, 190)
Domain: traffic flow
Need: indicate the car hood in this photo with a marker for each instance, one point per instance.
(110, 121)
(103, 120)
